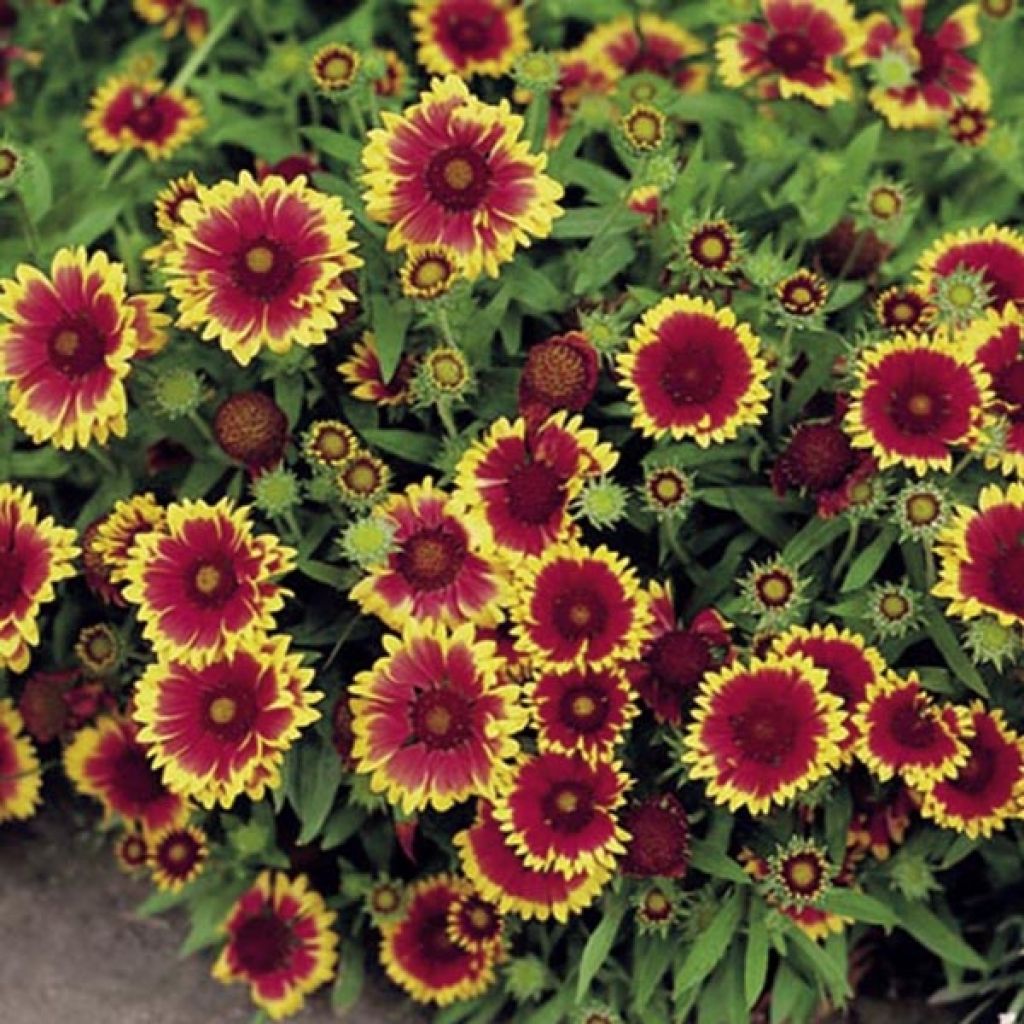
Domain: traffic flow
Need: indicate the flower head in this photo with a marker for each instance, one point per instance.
(469, 37)
(429, 271)
(802, 294)
(21, 780)
(560, 372)
(904, 308)
(659, 837)
(996, 253)
(176, 856)
(799, 874)
(334, 67)
(122, 526)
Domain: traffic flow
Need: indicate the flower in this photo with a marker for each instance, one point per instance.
(773, 591)
(334, 67)
(764, 732)
(35, 554)
(443, 374)
(108, 762)
(981, 556)
(667, 491)
(280, 941)
(969, 126)
(676, 657)
(932, 76)
(98, 649)
(385, 901)
(132, 851)
(579, 607)
(850, 666)
(434, 719)
(802, 293)
(173, 15)
(469, 37)
(429, 271)
(203, 583)
(799, 874)
(560, 372)
(251, 428)
(901, 731)
(150, 324)
(515, 483)
(477, 925)
(659, 843)
(582, 711)
(657, 907)
(793, 52)
(453, 170)
(501, 874)
(222, 729)
(127, 113)
(644, 128)
(363, 371)
(328, 443)
(922, 510)
(66, 348)
(439, 571)
(363, 481)
(21, 779)
(904, 308)
(988, 788)
(646, 44)
(997, 253)
(712, 248)
(916, 399)
(419, 956)
(894, 609)
(119, 529)
(693, 372)
(176, 856)
(260, 264)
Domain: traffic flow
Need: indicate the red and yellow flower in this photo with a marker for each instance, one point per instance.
(119, 529)
(851, 667)
(477, 924)
(579, 607)
(439, 571)
(560, 812)
(764, 732)
(280, 941)
(167, 212)
(176, 856)
(937, 75)
(434, 719)
(222, 729)
(794, 51)
(21, 780)
(659, 843)
(66, 348)
(917, 398)
(35, 554)
(174, 15)
(981, 556)
(131, 849)
(490, 859)
(515, 483)
(693, 371)
(469, 37)
(902, 731)
(127, 113)
(994, 252)
(260, 264)
(363, 372)
(453, 170)
(904, 308)
(987, 790)
(419, 955)
(108, 762)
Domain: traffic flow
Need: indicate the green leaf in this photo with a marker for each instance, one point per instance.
(756, 506)
(863, 568)
(599, 945)
(826, 204)
(941, 634)
(934, 934)
(716, 864)
(705, 954)
(390, 319)
(789, 995)
(830, 969)
(333, 143)
(315, 780)
(406, 444)
(651, 959)
(755, 965)
(341, 825)
(601, 261)
(859, 906)
(349, 983)
(329, 575)
(838, 812)
(815, 536)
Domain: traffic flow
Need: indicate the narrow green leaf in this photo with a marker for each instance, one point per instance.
(406, 444)
(348, 985)
(599, 945)
(601, 261)
(831, 971)
(650, 961)
(316, 780)
(860, 906)
(716, 864)
(863, 568)
(390, 319)
(705, 954)
(814, 537)
(755, 964)
(940, 632)
(934, 934)
(333, 143)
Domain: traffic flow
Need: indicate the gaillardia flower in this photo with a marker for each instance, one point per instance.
(334, 67)
(764, 732)
(131, 849)
(981, 557)
(659, 843)
(174, 15)
(501, 874)
(128, 113)
(20, 778)
(429, 271)
(988, 788)
(994, 252)
(469, 37)
(693, 372)
(434, 719)
(107, 761)
(118, 530)
(476, 924)
(515, 483)
(418, 954)
(364, 373)
(917, 398)
(438, 570)
(904, 308)
(176, 856)
(280, 941)
(579, 607)
(222, 730)
(35, 554)
(66, 348)
(560, 372)
(799, 874)
(203, 583)
(251, 428)
(902, 731)
(794, 51)
(647, 44)
(454, 170)
(260, 264)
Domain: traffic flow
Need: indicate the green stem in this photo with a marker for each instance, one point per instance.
(293, 526)
(445, 326)
(444, 411)
(105, 462)
(29, 229)
(780, 374)
(203, 427)
(851, 256)
(848, 549)
(357, 113)
(930, 573)
(537, 120)
(374, 106)
(345, 634)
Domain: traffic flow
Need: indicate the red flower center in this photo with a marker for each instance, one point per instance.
(580, 613)
(441, 719)
(12, 574)
(470, 34)
(431, 559)
(457, 178)
(178, 854)
(802, 873)
(1009, 385)
(263, 268)
(692, 375)
(263, 943)
(765, 732)
(212, 581)
(146, 119)
(818, 457)
(1007, 577)
(568, 806)
(584, 708)
(679, 659)
(911, 726)
(976, 776)
(434, 941)
(916, 411)
(556, 373)
(535, 492)
(134, 777)
(711, 248)
(790, 52)
(229, 713)
(77, 346)
(478, 920)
